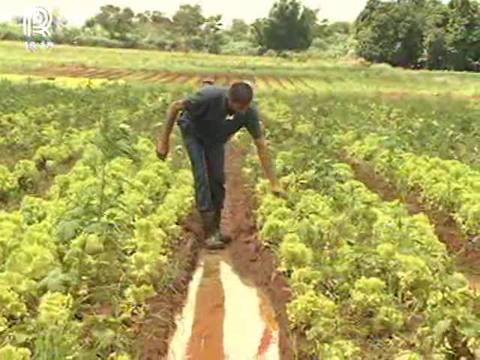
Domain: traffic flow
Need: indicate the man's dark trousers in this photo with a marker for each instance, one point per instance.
(208, 166)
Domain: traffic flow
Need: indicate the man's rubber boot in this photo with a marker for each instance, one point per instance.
(213, 240)
(218, 218)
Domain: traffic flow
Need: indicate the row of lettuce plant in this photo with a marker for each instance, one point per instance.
(26, 175)
(77, 265)
(447, 184)
(367, 278)
(43, 127)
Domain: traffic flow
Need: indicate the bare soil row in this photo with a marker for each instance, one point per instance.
(446, 229)
(195, 79)
(250, 259)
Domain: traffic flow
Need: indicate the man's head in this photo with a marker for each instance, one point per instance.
(240, 96)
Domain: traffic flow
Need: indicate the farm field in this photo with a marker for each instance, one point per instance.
(296, 74)
(374, 254)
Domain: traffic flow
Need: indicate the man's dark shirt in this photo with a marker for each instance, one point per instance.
(206, 114)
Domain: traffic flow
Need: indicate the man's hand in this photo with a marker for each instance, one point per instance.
(268, 167)
(163, 148)
(163, 145)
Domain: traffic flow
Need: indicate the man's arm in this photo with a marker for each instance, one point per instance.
(267, 165)
(163, 144)
(256, 130)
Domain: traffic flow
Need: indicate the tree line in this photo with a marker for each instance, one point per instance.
(409, 33)
(420, 33)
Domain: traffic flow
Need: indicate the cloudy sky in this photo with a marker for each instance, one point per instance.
(76, 11)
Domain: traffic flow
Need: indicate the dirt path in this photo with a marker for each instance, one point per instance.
(235, 307)
(206, 340)
(154, 331)
(447, 230)
(250, 259)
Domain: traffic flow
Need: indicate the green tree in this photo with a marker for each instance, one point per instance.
(239, 39)
(391, 32)
(435, 43)
(332, 40)
(289, 26)
(58, 20)
(340, 27)
(153, 18)
(463, 35)
(421, 32)
(155, 29)
(188, 22)
(239, 30)
(116, 21)
(212, 34)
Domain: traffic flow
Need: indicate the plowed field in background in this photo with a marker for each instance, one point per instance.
(261, 81)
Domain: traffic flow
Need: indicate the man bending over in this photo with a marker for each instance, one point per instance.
(209, 118)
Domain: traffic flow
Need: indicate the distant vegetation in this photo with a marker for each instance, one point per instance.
(408, 33)
(421, 33)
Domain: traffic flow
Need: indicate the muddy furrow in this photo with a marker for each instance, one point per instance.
(206, 339)
(250, 259)
(446, 229)
(154, 332)
(225, 79)
(235, 307)
(149, 76)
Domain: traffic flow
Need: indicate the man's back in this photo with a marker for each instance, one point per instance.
(210, 102)
(206, 114)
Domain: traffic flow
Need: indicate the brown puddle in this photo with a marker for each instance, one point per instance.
(225, 317)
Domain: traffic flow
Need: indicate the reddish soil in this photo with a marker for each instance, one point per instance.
(401, 95)
(159, 76)
(249, 257)
(206, 340)
(250, 260)
(235, 79)
(88, 73)
(115, 74)
(303, 83)
(221, 79)
(76, 71)
(155, 331)
(266, 80)
(278, 81)
(184, 78)
(103, 73)
(445, 226)
(128, 73)
(193, 80)
(174, 77)
(291, 82)
(149, 75)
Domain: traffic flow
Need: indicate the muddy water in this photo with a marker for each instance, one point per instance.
(225, 316)
(184, 322)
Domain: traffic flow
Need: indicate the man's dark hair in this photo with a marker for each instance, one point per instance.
(240, 92)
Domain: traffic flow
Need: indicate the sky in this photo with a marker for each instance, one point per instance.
(76, 11)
